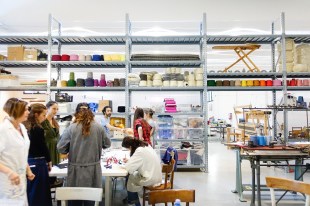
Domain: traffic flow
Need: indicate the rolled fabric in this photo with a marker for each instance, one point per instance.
(63, 83)
(102, 82)
(74, 57)
(211, 83)
(96, 83)
(180, 83)
(219, 83)
(256, 83)
(191, 83)
(89, 82)
(226, 83)
(243, 83)
(80, 82)
(262, 83)
(97, 57)
(249, 83)
(82, 57)
(56, 57)
(173, 83)
(269, 83)
(200, 83)
(232, 83)
(65, 57)
(237, 83)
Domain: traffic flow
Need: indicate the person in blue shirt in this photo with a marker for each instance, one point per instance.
(105, 122)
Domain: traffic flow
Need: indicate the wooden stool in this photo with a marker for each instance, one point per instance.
(240, 51)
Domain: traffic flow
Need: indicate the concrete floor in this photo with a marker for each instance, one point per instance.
(214, 188)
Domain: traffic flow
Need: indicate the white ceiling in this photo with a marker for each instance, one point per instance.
(32, 15)
(223, 17)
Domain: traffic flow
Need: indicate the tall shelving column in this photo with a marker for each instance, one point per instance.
(127, 70)
(284, 75)
(51, 19)
(274, 93)
(204, 99)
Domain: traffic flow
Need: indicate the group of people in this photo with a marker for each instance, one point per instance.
(30, 144)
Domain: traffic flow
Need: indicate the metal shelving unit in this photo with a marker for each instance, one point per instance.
(173, 40)
(24, 64)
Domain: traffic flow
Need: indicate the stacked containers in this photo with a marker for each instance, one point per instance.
(165, 126)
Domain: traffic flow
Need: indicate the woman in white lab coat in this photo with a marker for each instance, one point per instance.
(14, 146)
(143, 166)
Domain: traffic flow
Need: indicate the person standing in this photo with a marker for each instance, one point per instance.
(51, 130)
(14, 146)
(143, 166)
(149, 118)
(141, 129)
(84, 139)
(105, 122)
(38, 190)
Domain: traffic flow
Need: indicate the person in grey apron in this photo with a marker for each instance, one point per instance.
(83, 140)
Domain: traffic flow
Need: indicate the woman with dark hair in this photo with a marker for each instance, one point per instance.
(84, 140)
(38, 190)
(141, 129)
(143, 166)
(51, 130)
(149, 118)
(14, 146)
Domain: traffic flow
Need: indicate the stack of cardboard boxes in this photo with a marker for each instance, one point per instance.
(20, 53)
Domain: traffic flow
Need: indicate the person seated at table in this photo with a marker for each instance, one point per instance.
(143, 166)
(84, 140)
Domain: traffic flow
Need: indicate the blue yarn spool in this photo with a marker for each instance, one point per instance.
(261, 140)
(97, 57)
(253, 138)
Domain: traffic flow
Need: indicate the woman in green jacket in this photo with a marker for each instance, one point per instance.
(51, 130)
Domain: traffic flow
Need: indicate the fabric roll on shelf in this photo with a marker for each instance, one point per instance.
(109, 83)
(82, 57)
(232, 83)
(238, 83)
(219, 83)
(256, 83)
(262, 83)
(269, 83)
(249, 83)
(276, 82)
(63, 83)
(243, 83)
(97, 57)
(116, 82)
(226, 83)
(88, 58)
(211, 83)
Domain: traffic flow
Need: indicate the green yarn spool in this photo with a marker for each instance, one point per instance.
(71, 83)
(211, 83)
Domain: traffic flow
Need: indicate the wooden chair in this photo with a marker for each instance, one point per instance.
(166, 196)
(78, 193)
(168, 172)
(287, 184)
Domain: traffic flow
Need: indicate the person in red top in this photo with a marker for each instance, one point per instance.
(141, 129)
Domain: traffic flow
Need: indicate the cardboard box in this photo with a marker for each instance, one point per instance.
(16, 53)
(3, 58)
(30, 55)
(103, 103)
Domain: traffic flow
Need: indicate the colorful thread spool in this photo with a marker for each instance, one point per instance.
(82, 57)
(305, 82)
(80, 82)
(293, 83)
(262, 83)
(243, 83)
(96, 83)
(237, 83)
(269, 83)
(102, 82)
(232, 83)
(74, 57)
(63, 83)
(211, 83)
(219, 83)
(299, 82)
(276, 82)
(226, 83)
(56, 57)
(249, 83)
(88, 58)
(256, 83)
(65, 57)
(110, 83)
(97, 57)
